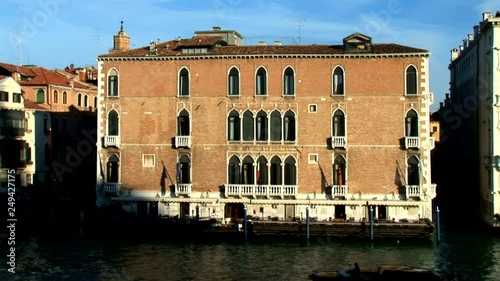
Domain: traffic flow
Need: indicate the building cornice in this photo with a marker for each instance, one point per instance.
(264, 56)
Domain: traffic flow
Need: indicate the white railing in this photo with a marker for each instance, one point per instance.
(112, 141)
(260, 190)
(339, 141)
(339, 190)
(183, 189)
(183, 141)
(111, 187)
(412, 142)
(413, 191)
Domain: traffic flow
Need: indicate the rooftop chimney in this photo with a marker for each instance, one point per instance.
(82, 75)
(277, 43)
(261, 43)
(476, 31)
(486, 15)
(216, 28)
(454, 54)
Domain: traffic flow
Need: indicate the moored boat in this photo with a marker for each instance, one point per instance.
(383, 273)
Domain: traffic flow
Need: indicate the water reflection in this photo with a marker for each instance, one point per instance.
(474, 256)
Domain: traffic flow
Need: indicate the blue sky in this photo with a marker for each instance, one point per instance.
(56, 33)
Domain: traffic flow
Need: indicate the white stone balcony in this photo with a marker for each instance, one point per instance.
(112, 141)
(432, 143)
(339, 142)
(413, 191)
(183, 141)
(183, 189)
(412, 142)
(111, 187)
(254, 190)
(339, 190)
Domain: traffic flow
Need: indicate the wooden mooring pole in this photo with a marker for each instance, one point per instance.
(307, 223)
(371, 223)
(438, 226)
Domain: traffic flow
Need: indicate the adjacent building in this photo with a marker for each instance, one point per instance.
(59, 120)
(470, 123)
(210, 124)
(14, 151)
(38, 141)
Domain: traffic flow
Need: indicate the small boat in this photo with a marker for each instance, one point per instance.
(383, 273)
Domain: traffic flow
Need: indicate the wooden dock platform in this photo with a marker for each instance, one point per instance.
(422, 229)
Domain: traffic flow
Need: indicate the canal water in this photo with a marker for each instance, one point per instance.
(470, 255)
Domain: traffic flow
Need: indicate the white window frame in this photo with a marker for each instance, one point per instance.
(117, 83)
(346, 171)
(294, 82)
(179, 82)
(229, 81)
(266, 82)
(406, 80)
(311, 106)
(313, 158)
(55, 93)
(144, 164)
(343, 80)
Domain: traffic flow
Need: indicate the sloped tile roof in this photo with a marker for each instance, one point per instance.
(164, 49)
(32, 105)
(171, 48)
(200, 41)
(41, 76)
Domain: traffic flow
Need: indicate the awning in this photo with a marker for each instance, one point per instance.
(304, 202)
(164, 199)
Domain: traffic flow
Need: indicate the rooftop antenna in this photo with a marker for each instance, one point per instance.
(18, 40)
(300, 23)
(96, 40)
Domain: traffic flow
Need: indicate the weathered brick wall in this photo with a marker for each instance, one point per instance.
(374, 104)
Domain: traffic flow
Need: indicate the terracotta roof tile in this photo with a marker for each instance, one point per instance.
(164, 49)
(263, 50)
(40, 76)
(201, 41)
(32, 105)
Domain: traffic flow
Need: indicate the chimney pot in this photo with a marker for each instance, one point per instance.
(486, 15)
(454, 54)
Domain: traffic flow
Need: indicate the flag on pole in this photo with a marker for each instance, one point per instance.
(101, 167)
(340, 178)
(258, 172)
(178, 172)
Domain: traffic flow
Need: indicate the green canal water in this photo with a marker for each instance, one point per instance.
(471, 255)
